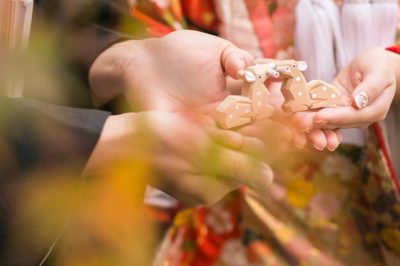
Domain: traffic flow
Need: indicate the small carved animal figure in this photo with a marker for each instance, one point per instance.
(299, 94)
(252, 105)
(234, 111)
(254, 88)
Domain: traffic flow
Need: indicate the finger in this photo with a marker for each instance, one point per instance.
(342, 117)
(337, 127)
(299, 140)
(254, 147)
(332, 140)
(272, 138)
(171, 165)
(317, 138)
(356, 77)
(211, 182)
(234, 59)
(278, 132)
(266, 152)
(246, 170)
(173, 175)
(373, 84)
(234, 85)
(345, 98)
(276, 99)
(235, 140)
(220, 172)
(303, 121)
(267, 130)
(228, 138)
(348, 117)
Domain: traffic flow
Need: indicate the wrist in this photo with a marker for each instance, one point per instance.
(115, 143)
(109, 72)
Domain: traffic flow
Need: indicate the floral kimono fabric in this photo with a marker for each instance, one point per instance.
(324, 208)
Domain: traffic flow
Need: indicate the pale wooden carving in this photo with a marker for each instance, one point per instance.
(299, 94)
(234, 111)
(252, 105)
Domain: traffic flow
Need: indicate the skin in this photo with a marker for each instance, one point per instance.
(166, 73)
(185, 72)
(182, 103)
(301, 124)
(179, 156)
(374, 71)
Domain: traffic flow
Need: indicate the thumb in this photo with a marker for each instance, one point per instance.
(369, 89)
(234, 59)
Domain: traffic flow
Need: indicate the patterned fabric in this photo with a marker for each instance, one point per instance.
(324, 208)
(265, 28)
(162, 17)
(271, 23)
(236, 26)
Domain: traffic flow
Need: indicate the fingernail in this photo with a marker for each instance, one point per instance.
(361, 100)
(267, 173)
(332, 149)
(318, 148)
(320, 122)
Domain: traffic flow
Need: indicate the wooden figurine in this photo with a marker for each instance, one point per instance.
(299, 94)
(252, 105)
(234, 111)
(254, 88)
(15, 24)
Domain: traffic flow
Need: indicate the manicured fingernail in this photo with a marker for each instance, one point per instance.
(361, 100)
(331, 149)
(318, 148)
(320, 122)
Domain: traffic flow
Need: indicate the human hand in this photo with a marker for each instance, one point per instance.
(185, 70)
(300, 124)
(186, 162)
(167, 75)
(368, 85)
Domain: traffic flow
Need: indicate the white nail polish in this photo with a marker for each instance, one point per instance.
(361, 100)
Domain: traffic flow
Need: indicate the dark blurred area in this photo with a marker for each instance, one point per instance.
(66, 37)
(44, 144)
